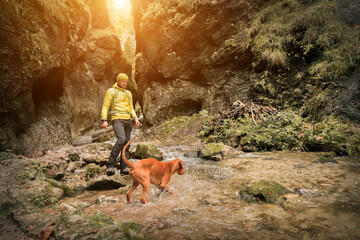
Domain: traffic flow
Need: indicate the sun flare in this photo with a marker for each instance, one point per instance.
(123, 5)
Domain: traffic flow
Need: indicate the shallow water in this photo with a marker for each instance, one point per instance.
(324, 202)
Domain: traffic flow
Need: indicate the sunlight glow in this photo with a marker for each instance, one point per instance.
(122, 5)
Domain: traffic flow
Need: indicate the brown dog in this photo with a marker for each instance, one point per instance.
(150, 170)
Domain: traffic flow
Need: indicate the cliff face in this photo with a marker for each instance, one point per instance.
(57, 59)
(192, 55)
(195, 55)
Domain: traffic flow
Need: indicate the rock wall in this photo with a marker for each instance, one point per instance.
(192, 55)
(57, 59)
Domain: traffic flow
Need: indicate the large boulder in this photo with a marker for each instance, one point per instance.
(188, 59)
(147, 151)
(263, 190)
(216, 151)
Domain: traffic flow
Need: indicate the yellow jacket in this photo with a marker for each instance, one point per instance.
(123, 106)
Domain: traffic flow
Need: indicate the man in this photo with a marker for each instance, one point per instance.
(118, 104)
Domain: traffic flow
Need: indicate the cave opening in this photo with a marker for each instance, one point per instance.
(187, 107)
(49, 88)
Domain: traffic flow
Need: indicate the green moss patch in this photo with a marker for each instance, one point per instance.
(327, 157)
(147, 151)
(92, 170)
(210, 150)
(74, 157)
(99, 220)
(263, 190)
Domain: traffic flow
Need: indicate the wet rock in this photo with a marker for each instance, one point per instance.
(90, 158)
(103, 137)
(58, 193)
(147, 151)
(263, 190)
(191, 154)
(327, 157)
(73, 166)
(104, 199)
(68, 190)
(79, 188)
(211, 151)
(217, 151)
(104, 182)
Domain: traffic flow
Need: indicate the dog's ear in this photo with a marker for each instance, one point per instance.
(181, 164)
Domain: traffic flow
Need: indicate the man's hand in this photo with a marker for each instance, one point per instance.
(137, 123)
(105, 125)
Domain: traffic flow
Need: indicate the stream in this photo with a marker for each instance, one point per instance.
(323, 203)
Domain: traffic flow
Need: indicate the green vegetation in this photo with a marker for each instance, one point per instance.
(91, 170)
(74, 157)
(288, 29)
(301, 53)
(7, 155)
(45, 198)
(99, 220)
(132, 230)
(178, 122)
(182, 122)
(68, 191)
(286, 131)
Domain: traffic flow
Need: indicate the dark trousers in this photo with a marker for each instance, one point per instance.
(122, 130)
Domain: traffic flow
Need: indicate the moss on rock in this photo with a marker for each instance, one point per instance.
(210, 150)
(147, 151)
(74, 157)
(263, 190)
(99, 220)
(91, 170)
(327, 157)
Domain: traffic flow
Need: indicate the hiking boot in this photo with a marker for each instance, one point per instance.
(110, 171)
(124, 171)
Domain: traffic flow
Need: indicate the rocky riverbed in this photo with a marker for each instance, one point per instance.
(65, 194)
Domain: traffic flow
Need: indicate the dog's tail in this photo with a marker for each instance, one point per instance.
(131, 165)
